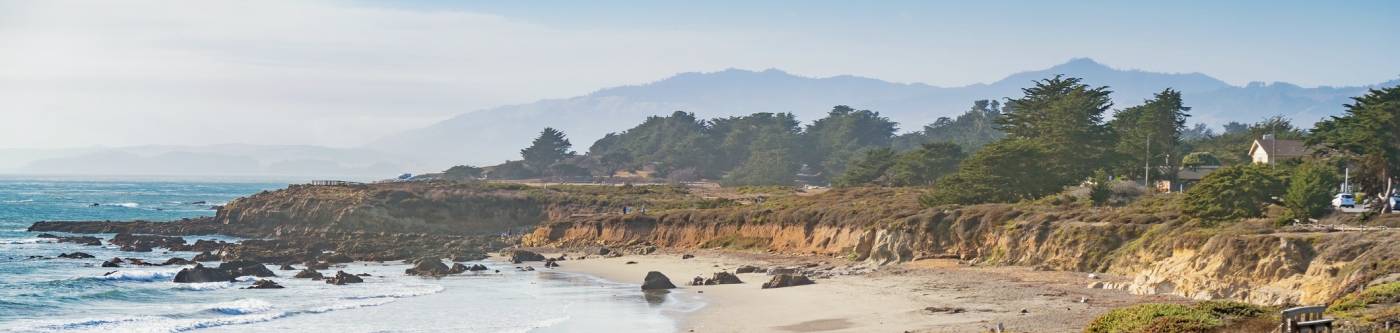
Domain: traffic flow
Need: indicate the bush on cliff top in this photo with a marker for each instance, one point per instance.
(1173, 318)
(1378, 294)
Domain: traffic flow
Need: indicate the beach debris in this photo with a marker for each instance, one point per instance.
(944, 309)
(787, 280)
(1093, 276)
(630, 263)
(265, 284)
(341, 278)
(746, 269)
(687, 256)
(76, 255)
(656, 281)
(309, 274)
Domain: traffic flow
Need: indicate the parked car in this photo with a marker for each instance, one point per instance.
(1344, 200)
(1395, 203)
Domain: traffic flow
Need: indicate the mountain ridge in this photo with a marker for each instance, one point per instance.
(493, 135)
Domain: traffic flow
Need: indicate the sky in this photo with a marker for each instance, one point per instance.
(342, 73)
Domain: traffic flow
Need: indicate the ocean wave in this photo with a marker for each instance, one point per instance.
(241, 307)
(28, 241)
(146, 276)
(17, 201)
(203, 286)
(124, 204)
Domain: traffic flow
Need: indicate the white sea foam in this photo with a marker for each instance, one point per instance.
(203, 286)
(146, 276)
(242, 307)
(28, 241)
(126, 204)
(17, 201)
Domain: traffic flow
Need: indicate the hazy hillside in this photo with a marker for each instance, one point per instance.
(494, 135)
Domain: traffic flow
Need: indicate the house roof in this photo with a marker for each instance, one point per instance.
(1280, 147)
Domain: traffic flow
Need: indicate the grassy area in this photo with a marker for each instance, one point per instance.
(1374, 304)
(1208, 316)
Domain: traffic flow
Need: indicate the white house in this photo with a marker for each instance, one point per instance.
(1268, 150)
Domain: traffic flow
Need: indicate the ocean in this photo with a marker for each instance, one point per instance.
(42, 293)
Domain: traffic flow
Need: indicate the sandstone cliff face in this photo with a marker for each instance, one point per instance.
(1161, 251)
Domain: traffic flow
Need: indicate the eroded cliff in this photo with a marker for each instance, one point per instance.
(1163, 252)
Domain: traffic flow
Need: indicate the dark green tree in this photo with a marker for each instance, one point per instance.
(1310, 189)
(833, 141)
(1100, 187)
(1234, 192)
(1148, 133)
(736, 138)
(1232, 147)
(971, 130)
(1199, 159)
(1368, 135)
(866, 169)
(678, 141)
(550, 147)
(1006, 171)
(923, 166)
(1066, 116)
(764, 167)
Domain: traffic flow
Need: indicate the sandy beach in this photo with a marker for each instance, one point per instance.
(939, 295)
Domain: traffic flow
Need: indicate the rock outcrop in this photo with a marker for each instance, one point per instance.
(265, 284)
(309, 274)
(343, 278)
(787, 280)
(517, 256)
(657, 281)
(76, 255)
(201, 274)
(429, 266)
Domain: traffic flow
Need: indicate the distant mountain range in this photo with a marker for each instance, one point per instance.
(491, 136)
(494, 135)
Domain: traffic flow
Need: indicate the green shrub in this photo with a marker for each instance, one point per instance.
(1234, 192)
(1173, 318)
(1310, 189)
(1377, 294)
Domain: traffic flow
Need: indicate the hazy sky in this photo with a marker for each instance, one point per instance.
(112, 73)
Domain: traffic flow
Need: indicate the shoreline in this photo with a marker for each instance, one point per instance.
(938, 295)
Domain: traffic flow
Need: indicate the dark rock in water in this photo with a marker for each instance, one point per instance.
(428, 266)
(76, 255)
(246, 268)
(746, 269)
(687, 256)
(477, 268)
(697, 281)
(144, 243)
(723, 278)
(205, 245)
(550, 263)
(317, 265)
(519, 256)
(115, 262)
(655, 281)
(139, 262)
(525, 269)
(88, 241)
(286, 267)
(199, 274)
(198, 203)
(787, 280)
(46, 235)
(309, 274)
(457, 268)
(206, 256)
(177, 261)
(342, 278)
(337, 259)
(265, 284)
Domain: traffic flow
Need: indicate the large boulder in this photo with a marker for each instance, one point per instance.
(723, 278)
(309, 274)
(428, 266)
(477, 268)
(265, 284)
(115, 262)
(76, 255)
(657, 281)
(787, 280)
(286, 267)
(342, 278)
(519, 256)
(200, 274)
(457, 268)
(246, 268)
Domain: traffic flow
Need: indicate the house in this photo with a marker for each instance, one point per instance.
(1185, 177)
(1268, 150)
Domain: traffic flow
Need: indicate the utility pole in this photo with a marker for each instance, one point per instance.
(1147, 163)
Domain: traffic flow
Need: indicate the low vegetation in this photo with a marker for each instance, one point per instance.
(1209, 316)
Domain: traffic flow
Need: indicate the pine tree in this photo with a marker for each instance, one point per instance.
(550, 147)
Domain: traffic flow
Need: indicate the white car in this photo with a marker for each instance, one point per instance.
(1344, 200)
